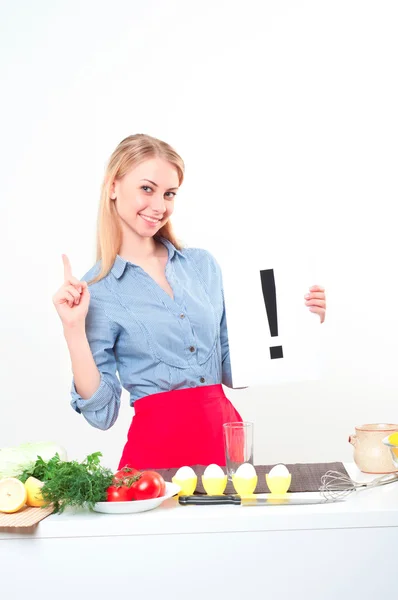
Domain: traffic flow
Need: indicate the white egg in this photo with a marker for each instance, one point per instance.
(279, 471)
(246, 471)
(185, 473)
(213, 472)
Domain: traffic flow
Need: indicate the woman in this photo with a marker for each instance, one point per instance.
(154, 314)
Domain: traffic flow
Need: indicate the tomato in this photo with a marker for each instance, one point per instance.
(149, 485)
(125, 473)
(119, 493)
(121, 489)
(162, 486)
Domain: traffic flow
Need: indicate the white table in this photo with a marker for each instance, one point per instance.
(329, 552)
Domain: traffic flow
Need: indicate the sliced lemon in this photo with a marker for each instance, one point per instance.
(393, 438)
(33, 488)
(13, 495)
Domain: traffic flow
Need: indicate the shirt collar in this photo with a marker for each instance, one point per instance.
(170, 247)
(120, 264)
(119, 267)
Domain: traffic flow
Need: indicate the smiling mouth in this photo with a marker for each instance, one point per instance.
(151, 220)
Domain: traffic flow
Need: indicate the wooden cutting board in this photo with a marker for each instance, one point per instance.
(26, 517)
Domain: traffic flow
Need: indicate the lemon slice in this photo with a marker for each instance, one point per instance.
(13, 495)
(33, 488)
(393, 438)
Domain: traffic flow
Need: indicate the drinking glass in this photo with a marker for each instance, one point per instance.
(238, 443)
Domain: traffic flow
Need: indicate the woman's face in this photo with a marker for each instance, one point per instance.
(145, 196)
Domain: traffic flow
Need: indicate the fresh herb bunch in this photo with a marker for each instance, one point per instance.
(41, 469)
(77, 484)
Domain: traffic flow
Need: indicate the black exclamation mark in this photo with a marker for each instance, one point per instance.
(269, 294)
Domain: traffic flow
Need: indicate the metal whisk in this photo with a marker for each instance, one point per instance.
(336, 485)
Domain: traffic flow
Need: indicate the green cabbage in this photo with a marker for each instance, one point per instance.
(15, 460)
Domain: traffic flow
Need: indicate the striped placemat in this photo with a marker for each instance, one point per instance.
(306, 477)
(26, 517)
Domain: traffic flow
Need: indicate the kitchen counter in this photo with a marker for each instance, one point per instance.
(302, 550)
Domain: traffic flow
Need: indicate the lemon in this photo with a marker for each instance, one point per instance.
(393, 438)
(13, 495)
(33, 488)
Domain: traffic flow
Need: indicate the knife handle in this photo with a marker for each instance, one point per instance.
(209, 500)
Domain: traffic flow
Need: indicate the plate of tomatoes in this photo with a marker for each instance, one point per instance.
(134, 491)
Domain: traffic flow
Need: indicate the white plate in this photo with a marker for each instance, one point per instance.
(136, 506)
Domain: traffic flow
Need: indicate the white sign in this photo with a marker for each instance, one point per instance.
(251, 343)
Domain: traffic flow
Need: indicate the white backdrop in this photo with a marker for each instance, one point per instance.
(285, 113)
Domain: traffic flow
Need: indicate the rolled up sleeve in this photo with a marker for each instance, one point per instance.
(102, 409)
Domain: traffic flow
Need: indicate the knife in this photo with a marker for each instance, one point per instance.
(253, 501)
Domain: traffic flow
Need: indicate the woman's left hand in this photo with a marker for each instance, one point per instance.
(316, 301)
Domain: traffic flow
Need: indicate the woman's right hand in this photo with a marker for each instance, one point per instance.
(72, 299)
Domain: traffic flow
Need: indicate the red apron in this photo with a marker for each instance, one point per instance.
(178, 428)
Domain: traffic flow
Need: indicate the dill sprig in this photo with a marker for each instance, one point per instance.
(77, 484)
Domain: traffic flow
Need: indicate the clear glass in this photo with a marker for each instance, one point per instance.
(238, 443)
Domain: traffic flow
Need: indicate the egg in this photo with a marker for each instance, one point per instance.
(278, 479)
(279, 471)
(214, 480)
(245, 471)
(186, 479)
(185, 473)
(213, 472)
(245, 479)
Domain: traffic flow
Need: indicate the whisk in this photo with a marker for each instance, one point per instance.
(336, 485)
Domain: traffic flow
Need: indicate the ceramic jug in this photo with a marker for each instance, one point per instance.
(370, 454)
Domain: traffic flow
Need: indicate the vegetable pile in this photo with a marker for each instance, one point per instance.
(61, 483)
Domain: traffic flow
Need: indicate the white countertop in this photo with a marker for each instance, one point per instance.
(369, 508)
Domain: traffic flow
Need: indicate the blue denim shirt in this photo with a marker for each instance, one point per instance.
(154, 343)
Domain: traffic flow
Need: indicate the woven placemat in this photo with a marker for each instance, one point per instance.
(306, 477)
(26, 517)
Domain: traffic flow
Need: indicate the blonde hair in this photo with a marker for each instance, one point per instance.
(128, 154)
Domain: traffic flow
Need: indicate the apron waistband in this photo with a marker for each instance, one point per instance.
(162, 400)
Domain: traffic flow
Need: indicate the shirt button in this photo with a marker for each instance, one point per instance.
(192, 348)
(182, 316)
(202, 380)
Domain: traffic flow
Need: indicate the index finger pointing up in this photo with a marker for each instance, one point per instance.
(67, 267)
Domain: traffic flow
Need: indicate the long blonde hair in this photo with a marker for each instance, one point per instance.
(131, 151)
